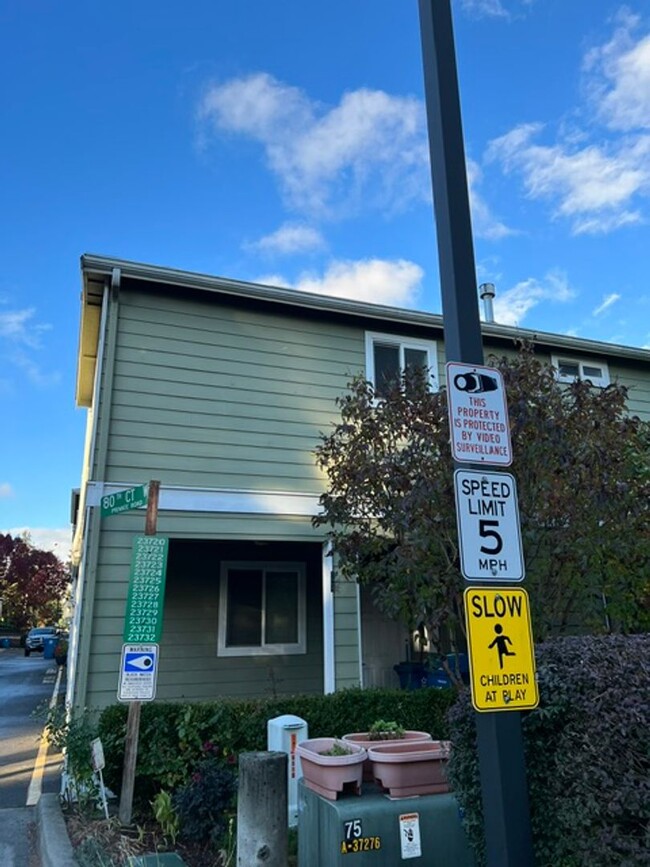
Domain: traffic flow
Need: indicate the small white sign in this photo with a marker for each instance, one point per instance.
(409, 835)
(138, 672)
(489, 533)
(478, 415)
(97, 754)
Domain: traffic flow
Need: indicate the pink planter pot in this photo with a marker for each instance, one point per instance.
(411, 769)
(362, 739)
(331, 775)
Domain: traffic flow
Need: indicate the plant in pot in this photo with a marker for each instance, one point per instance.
(61, 651)
(331, 766)
(383, 732)
(406, 769)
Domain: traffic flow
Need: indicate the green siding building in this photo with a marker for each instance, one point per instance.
(220, 390)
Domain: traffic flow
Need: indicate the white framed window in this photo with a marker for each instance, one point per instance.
(388, 356)
(569, 369)
(261, 609)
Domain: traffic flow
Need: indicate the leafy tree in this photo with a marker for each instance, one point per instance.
(33, 583)
(582, 465)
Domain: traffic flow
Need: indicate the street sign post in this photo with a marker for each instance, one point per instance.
(506, 812)
(124, 501)
(148, 568)
(489, 533)
(478, 415)
(144, 606)
(138, 672)
(501, 651)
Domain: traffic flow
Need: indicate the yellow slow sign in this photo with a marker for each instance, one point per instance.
(501, 651)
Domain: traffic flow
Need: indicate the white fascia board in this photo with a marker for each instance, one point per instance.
(251, 502)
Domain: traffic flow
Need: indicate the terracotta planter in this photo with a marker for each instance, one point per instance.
(331, 775)
(411, 768)
(363, 739)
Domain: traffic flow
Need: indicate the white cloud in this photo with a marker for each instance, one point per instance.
(484, 223)
(484, 8)
(512, 306)
(598, 182)
(288, 239)
(494, 8)
(610, 299)
(20, 337)
(18, 327)
(593, 177)
(6, 490)
(57, 539)
(368, 151)
(379, 281)
(618, 77)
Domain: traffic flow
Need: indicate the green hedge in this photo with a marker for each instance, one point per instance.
(587, 754)
(172, 735)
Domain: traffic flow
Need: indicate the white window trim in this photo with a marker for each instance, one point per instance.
(266, 649)
(601, 381)
(429, 346)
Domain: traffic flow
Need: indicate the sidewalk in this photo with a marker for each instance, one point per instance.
(18, 845)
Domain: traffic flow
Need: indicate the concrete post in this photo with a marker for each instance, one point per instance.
(262, 810)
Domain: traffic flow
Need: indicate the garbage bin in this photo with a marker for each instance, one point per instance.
(5, 642)
(48, 646)
(284, 733)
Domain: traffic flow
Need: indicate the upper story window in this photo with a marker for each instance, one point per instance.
(388, 356)
(569, 369)
(261, 609)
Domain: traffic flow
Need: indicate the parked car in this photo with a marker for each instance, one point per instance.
(35, 640)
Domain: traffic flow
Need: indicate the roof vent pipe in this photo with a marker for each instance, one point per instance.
(487, 293)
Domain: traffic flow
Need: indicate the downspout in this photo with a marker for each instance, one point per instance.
(329, 680)
(96, 470)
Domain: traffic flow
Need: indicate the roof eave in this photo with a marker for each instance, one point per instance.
(102, 267)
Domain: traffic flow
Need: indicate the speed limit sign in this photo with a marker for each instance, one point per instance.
(489, 533)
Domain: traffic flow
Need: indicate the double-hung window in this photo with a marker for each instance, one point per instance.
(569, 369)
(388, 357)
(261, 609)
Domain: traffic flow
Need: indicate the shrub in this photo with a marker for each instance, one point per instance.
(203, 804)
(72, 734)
(172, 735)
(587, 750)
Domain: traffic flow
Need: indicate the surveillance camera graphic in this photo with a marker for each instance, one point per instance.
(475, 383)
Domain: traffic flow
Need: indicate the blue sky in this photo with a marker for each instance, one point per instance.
(286, 142)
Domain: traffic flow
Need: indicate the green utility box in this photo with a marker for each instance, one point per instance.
(380, 831)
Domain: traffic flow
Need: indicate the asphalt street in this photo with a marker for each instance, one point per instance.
(27, 767)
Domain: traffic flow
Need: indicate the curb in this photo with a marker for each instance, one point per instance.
(53, 841)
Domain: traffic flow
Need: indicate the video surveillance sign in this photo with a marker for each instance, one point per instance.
(478, 415)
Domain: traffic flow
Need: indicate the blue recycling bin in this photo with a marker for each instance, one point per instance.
(438, 677)
(5, 643)
(48, 646)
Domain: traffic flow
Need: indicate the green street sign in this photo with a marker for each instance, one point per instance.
(144, 605)
(124, 501)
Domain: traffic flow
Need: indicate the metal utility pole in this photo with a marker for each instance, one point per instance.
(500, 744)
